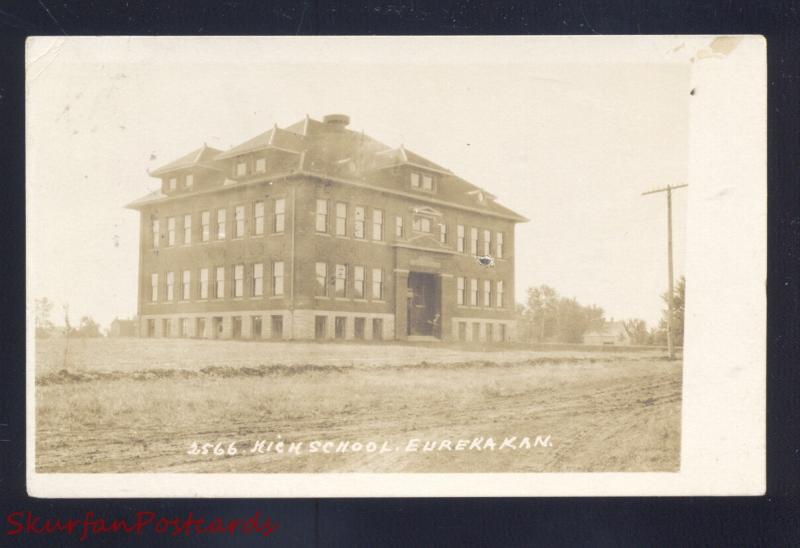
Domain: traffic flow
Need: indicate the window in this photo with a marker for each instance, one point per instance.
(377, 283)
(184, 327)
(170, 286)
(156, 230)
(280, 215)
(377, 224)
(219, 282)
(238, 280)
(487, 242)
(277, 278)
(487, 293)
(151, 328)
(460, 291)
(499, 245)
(241, 168)
(261, 165)
(500, 290)
(171, 231)
(377, 329)
(341, 219)
(236, 327)
(358, 282)
(503, 335)
(221, 216)
(476, 331)
(238, 217)
(341, 280)
(427, 183)
(256, 326)
(153, 287)
(415, 180)
(322, 216)
(460, 238)
(489, 332)
(173, 183)
(186, 290)
(358, 328)
(462, 331)
(276, 320)
(203, 283)
(473, 292)
(258, 218)
(443, 233)
(358, 230)
(421, 224)
(320, 327)
(189, 181)
(321, 271)
(187, 229)
(205, 222)
(398, 227)
(258, 280)
(166, 327)
(473, 240)
(339, 327)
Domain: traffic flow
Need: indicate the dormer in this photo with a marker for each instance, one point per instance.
(182, 174)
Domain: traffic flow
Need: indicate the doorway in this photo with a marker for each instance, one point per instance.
(424, 305)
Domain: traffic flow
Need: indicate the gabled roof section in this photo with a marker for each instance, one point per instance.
(275, 138)
(401, 156)
(202, 157)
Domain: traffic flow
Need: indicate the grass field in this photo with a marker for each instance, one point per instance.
(129, 405)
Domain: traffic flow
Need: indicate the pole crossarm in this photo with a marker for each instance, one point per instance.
(665, 189)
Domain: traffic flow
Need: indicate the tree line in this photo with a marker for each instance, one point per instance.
(546, 316)
(45, 327)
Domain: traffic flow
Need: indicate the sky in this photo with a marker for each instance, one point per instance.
(569, 145)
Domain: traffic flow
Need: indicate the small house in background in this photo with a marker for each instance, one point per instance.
(612, 333)
(123, 328)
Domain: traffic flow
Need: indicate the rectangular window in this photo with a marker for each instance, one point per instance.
(377, 283)
(187, 229)
(184, 328)
(321, 271)
(487, 293)
(460, 291)
(205, 223)
(219, 283)
(358, 328)
(339, 327)
(255, 321)
(398, 227)
(487, 242)
(489, 332)
(238, 280)
(500, 293)
(341, 280)
(421, 224)
(360, 215)
(153, 287)
(473, 240)
(171, 231)
(358, 282)
(151, 328)
(173, 183)
(341, 219)
(322, 216)
(156, 230)
(186, 289)
(427, 183)
(460, 238)
(499, 245)
(241, 169)
(473, 292)
(415, 180)
(277, 278)
(320, 327)
(503, 335)
(276, 321)
(189, 181)
(258, 280)
(221, 220)
(170, 286)
(377, 329)
(238, 217)
(462, 331)
(261, 165)
(377, 224)
(443, 233)
(203, 283)
(280, 216)
(476, 331)
(258, 218)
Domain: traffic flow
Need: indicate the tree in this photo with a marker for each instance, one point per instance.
(678, 312)
(548, 317)
(637, 331)
(541, 311)
(44, 327)
(88, 328)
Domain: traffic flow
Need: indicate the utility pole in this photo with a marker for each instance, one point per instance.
(670, 333)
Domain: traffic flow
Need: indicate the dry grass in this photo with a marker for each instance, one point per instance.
(131, 405)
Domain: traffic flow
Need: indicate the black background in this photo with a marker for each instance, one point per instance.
(771, 520)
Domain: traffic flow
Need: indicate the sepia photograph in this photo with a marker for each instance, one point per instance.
(307, 257)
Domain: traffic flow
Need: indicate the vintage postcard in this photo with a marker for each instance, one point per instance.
(396, 266)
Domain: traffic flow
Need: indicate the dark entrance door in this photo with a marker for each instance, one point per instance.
(424, 312)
